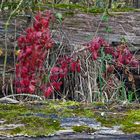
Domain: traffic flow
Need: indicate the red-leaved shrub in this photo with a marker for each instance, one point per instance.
(35, 45)
(30, 68)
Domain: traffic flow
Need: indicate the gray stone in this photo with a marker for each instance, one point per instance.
(67, 131)
(10, 126)
(110, 132)
(2, 121)
(8, 100)
(137, 123)
(79, 136)
(77, 121)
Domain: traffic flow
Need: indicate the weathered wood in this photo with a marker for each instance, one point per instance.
(81, 28)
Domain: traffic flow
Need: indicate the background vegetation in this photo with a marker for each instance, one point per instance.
(100, 92)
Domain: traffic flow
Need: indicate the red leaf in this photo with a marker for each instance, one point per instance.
(94, 55)
(31, 88)
(57, 85)
(48, 92)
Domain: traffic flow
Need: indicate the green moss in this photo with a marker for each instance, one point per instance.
(37, 126)
(123, 9)
(110, 121)
(17, 130)
(59, 107)
(68, 14)
(67, 109)
(79, 112)
(98, 104)
(8, 107)
(131, 128)
(83, 128)
(77, 7)
(70, 103)
(68, 6)
(80, 8)
(128, 120)
(10, 111)
(131, 124)
(95, 10)
(109, 118)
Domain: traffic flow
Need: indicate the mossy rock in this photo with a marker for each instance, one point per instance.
(131, 124)
(38, 125)
(34, 126)
(83, 128)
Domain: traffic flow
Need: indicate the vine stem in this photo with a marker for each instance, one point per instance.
(12, 13)
(6, 27)
(1, 4)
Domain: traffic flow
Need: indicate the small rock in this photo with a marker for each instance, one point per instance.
(61, 132)
(8, 101)
(77, 121)
(137, 123)
(103, 114)
(10, 126)
(110, 131)
(2, 121)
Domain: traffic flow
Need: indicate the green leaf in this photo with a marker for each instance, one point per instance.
(105, 18)
(59, 16)
(108, 29)
(46, 78)
(102, 53)
(130, 97)
(123, 39)
(108, 57)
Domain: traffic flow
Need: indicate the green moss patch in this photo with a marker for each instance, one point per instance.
(131, 124)
(36, 117)
(92, 9)
(83, 128)
(129, 121)
(8, 111)
(68, 6)
(80, 112)
(34, 126)
(109, 120)
(43, 118)
(124, 10)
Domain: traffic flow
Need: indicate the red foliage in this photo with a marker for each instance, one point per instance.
(120, 56)
(34, 48)
(33, 51)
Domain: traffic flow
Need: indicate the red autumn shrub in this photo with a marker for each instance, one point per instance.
(35, 45)
(30, 68)
(113, 63)
(121, 56)
(65, 66)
